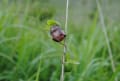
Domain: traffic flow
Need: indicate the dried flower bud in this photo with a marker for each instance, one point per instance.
(57, 33)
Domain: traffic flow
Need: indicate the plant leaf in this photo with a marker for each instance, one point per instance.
(52, 23)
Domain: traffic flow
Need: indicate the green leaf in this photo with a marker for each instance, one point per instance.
(52, 23)
(72, 61)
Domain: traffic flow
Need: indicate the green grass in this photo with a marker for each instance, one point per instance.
(27, 52)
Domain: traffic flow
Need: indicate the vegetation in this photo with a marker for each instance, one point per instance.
(27, 52)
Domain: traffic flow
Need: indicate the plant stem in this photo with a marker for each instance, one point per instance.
(65, 46)
(63, 62)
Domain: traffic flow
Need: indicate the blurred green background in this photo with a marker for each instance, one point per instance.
(27, 52)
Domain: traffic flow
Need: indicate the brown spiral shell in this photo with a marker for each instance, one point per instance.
(57, 33)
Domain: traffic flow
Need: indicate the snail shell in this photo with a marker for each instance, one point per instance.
(57, 33)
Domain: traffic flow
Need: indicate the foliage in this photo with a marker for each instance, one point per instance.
(27, 53)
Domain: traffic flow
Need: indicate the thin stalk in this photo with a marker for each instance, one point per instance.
(65, 46)
(106, 37)
(63, 62)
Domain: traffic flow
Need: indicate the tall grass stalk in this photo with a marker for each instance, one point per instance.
(65, 49)
(106, 37)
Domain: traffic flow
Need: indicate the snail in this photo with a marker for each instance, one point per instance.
(57, 33)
